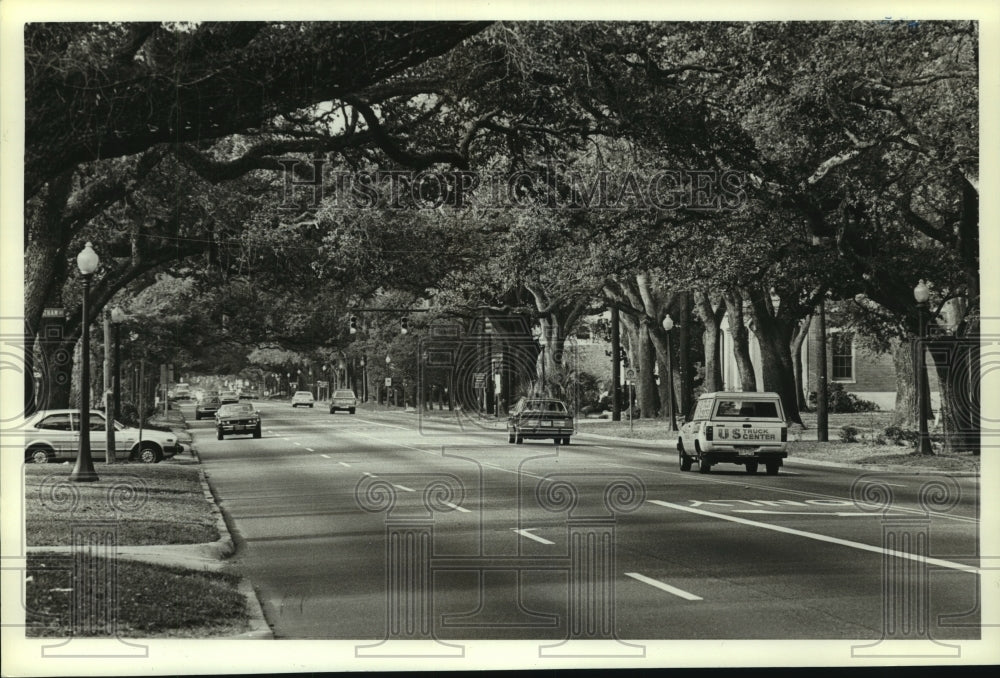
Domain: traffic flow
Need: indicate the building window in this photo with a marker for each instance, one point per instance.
(842, 353)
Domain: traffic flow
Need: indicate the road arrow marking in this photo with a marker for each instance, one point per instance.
(665, 587)
(823, 537)
(526, 532)
(456, 507)
(818, 513)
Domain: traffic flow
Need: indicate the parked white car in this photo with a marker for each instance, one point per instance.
(304, 398)
(54, 435)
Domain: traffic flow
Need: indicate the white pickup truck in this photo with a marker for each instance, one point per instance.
(746, 428)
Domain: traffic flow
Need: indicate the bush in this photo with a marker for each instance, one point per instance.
(901, 436)
(848, 434)
(839, 400)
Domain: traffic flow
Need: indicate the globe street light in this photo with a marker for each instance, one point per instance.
(668, 324)
(83, 471)
(921, 294)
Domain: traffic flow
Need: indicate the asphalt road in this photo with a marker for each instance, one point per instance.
(386, 526)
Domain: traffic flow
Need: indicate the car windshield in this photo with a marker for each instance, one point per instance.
(303, 394)
(343, 394)
(242, 408)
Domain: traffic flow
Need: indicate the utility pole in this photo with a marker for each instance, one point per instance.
(616, 377)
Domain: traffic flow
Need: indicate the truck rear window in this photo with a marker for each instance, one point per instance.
(738, 409)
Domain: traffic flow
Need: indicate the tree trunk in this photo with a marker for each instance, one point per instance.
(959, 421)
(774, 336)
(712, 338)
(903, 362)
(647, 384)
(741, 342)
(800, 336)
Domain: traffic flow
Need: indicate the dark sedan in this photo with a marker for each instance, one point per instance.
(540, 418)
(238, 418)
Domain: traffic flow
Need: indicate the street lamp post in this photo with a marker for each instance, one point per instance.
(921, 294)
(668, 324)
(83, 471)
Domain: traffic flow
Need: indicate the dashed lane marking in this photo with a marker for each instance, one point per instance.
(664, 587)
(404, 488)
(456, 507)
(342, 463)
(823, 537)
(310, 449)
(325, 456)
(526, 532)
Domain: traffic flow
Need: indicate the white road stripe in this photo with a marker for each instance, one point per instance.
(341, 463)
(456, 507)
(299, 444)
(602, 447)
(404, 488)
(325, 456)
(517, 473)
(822, 537)
(665, 587)
(527, 533)
(310, 449)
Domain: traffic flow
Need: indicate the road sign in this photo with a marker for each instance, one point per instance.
(388, 381)
(630, 374)
(479, 380)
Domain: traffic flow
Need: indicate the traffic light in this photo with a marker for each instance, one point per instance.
(354, 324)
(402, 326)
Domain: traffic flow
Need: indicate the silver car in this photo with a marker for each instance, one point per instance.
(343, 400)
(304, 398)
(54, 435)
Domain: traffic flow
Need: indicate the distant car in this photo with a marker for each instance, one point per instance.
(343, 400)
(239, 418)
(54, 435)
(540, 418)
(249, 395)
(303, 398)
(207, 406)
(746, 428)
(229, 397)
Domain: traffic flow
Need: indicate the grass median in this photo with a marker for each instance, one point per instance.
(148, 505)
(145, 601)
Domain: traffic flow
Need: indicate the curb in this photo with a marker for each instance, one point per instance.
(223, 548)
(908, 470)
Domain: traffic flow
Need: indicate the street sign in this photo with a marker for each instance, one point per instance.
(388, 381)
(630, 374)
(479, 380)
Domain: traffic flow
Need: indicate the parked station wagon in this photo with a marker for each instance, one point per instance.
(540, 418)
(746, 428)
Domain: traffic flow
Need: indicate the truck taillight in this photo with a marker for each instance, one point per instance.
(784, 434)
(708, 433)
